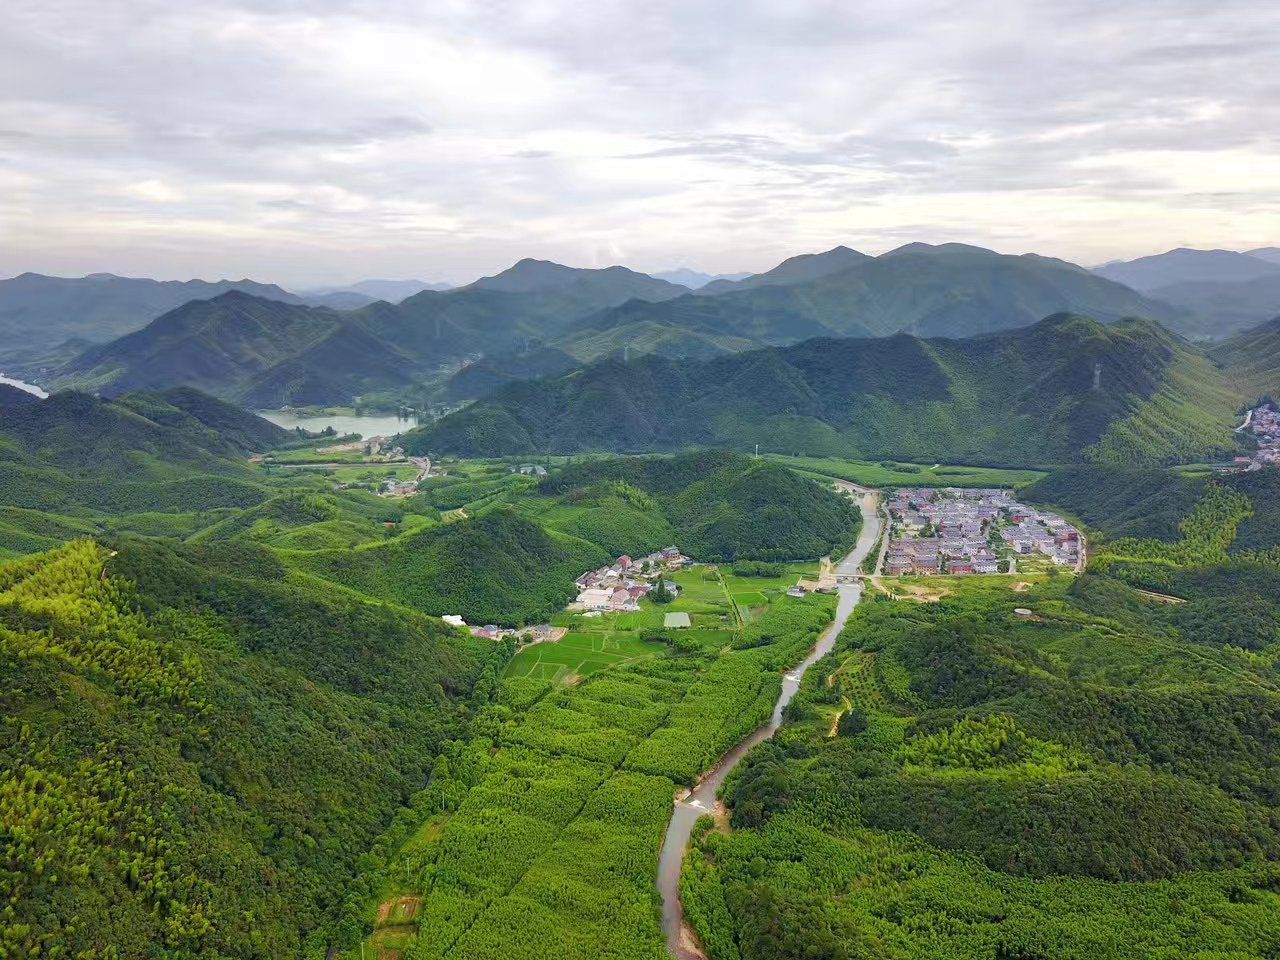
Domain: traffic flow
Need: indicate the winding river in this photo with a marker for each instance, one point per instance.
(681, 941)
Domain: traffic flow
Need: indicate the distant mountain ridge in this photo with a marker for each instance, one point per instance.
(1062, 390)
(267, 353)
(1222, 292)
(392, 291)
(944, 290)
(40, 312)
(287, 353)
(1186, 265)
(695, 279)
(806, 266)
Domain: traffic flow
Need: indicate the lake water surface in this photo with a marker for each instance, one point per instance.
(367, 425)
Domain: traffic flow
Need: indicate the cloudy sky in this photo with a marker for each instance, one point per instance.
(322, 141)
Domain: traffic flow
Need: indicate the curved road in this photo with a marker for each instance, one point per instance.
(681, 942)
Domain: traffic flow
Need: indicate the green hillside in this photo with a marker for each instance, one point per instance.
(1251, 360)
(198, 750)
(1063, 390)
(167, 465)
(498, 568)
(716, 506)
(1092, 778)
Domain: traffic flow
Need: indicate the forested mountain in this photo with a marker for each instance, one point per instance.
(39, 312)
(487, 374)
(1251, 360)
(267, 353)
(717, 505)
(1065, 389)
(1270, 254)
(338, 300)
(217, 345)
(948, 290)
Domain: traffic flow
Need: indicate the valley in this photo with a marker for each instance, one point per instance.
(559, 798)
(784, 480)
(569, 613)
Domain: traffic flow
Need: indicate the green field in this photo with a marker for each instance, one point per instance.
(594, 643)
(579, 654)
(895, 474)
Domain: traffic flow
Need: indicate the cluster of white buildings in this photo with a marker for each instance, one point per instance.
(624, 583)
(538, 633)
(958, 532)
(1264, 424)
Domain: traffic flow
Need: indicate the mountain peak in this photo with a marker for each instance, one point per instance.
(793, 270)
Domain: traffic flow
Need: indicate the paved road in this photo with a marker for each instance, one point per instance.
(681, 943)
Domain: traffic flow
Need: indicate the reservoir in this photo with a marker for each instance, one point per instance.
(367, 425)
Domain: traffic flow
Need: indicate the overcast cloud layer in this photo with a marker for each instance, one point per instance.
(317, 141)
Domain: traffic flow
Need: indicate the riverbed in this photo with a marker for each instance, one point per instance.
(681, 943)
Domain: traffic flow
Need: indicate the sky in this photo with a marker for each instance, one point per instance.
(318, 142)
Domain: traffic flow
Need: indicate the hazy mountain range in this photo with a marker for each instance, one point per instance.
(1220, 291)
(262, 345)
(268, 352)
(38, 312)
(695, 279)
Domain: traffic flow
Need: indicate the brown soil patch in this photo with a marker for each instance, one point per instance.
(721, 814)
(573, 679)
(398, 911)
(1022, 586)
(920, 593)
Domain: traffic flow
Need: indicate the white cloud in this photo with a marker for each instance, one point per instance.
(156, 191)
(303, 140)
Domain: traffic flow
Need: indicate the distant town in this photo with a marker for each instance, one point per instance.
(1264, 423)
(958, 532)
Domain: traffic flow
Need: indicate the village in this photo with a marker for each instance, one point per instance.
(621, 586)
(1264, 423)
(959, 532)
(616, 588)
